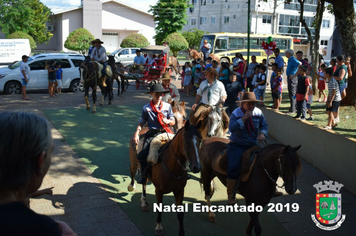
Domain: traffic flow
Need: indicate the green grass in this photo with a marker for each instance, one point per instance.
(346, 126)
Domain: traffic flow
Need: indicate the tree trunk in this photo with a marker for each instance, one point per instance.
(345, 21)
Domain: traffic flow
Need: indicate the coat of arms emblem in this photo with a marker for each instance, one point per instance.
(328, 205)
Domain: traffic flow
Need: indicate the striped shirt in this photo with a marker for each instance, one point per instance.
(333, 84)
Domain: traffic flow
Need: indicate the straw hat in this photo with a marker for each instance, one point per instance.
(97, 41)
(249, 97)
(166, 76)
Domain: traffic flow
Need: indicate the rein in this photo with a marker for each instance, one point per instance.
(178, 161)
(91, 76)
(280, 167)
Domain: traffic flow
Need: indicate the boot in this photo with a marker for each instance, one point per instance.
(143, 178)
(103, 81)
(231, 199)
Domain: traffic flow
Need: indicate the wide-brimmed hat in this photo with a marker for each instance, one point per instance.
(166, 76)
(97, 41)
(156, 88)
(249, 97)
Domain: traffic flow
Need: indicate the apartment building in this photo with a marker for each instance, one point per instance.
(272, 17)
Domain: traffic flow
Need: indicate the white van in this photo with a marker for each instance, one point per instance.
(12, 50)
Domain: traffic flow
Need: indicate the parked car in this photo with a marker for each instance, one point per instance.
(10, 79)
(125, 55)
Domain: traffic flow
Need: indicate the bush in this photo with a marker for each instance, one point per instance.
(134, 40)
(22, 35)
(79, 40)
(193, 37)
(176, 43)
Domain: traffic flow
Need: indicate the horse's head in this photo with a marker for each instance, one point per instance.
(289, 166)
(111, 60)
(214, 124)
(192, 141)
(179, 114)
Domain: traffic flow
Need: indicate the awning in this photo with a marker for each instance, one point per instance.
(155, 49)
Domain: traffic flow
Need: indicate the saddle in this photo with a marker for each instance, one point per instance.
(100, 68)
(220, 164)
(156, 146)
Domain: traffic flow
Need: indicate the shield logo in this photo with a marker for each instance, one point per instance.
(328, 208)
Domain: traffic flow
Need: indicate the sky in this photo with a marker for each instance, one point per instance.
(60, 5)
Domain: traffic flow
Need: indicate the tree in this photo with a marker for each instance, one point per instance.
(28, 16)
(22, 35)
(176, 43)
(170, 17)
(79, 40)
(134, 40)
(345, 19)
(193, 37)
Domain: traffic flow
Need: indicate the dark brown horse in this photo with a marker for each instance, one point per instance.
(179, 116)
(89, 74)
(271, 161)
(119, 77)
(170, 173)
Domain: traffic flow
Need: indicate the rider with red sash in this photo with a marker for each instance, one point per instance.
(247, 125)
(159, 118)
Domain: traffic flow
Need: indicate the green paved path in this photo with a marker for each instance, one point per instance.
(101, 140)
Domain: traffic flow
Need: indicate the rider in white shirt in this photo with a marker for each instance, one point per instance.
(99, 54)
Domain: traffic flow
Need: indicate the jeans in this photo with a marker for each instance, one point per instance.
(234, 154)
(301, 108)
(292, 91)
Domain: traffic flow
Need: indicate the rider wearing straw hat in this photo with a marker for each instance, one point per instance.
(171, 89)
(159, 118)
(247, 125)
(99, 54)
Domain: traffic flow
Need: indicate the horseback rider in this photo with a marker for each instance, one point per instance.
(99, 54)
(171, 89)
(247, 125)
(211, 91)
(159, 117)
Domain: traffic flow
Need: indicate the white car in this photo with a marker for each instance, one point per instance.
(11, 82)
(125, 55)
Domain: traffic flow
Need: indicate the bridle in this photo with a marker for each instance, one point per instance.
(280, 168)
(178, 161)
(91, 76)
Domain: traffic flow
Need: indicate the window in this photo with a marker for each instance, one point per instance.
(133, 51)
(125, 52)
(212, 1)
(236, 43)
(266, 19)
(203, 20)
(77, 62)
(309, 5)
(212, 20)
(64, 63)
(324, 42)
(38, 65)
(193, 21)
(221, 43)
(193, 2)
(226, 19)
(290, 25)
(234, 17)
(326, 24)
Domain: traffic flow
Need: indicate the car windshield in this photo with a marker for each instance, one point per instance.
(16, 64)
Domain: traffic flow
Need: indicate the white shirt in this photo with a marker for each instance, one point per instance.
(26, 68)
(99, 54)
(217, 92)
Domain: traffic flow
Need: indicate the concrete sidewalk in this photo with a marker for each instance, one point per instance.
(81, 201)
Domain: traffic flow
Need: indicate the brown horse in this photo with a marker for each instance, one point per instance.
(179, 116)
(119, 77)
(194, 54)
(271, 161)
(170, 173)
(173, 63)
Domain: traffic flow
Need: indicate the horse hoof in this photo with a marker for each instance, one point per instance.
(88, 108)
(93, 112)
(159, 232)
(130, 188)
(109, 103)
(212, 219)
(100, 104)
(145, 208)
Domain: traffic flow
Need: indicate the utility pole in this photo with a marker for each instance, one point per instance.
(274, 17)
(248, 30)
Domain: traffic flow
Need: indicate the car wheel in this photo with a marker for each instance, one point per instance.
(76, 86)
(13, 87)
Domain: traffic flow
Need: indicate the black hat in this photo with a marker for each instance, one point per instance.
(156, 88)
(209, 58)
(24, 57)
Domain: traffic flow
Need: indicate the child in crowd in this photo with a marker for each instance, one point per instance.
(273, 74)
(202, 69)
(254, 80)
(334, 98)
(197, 79)
(59, 76)
(264, 62)
(309, 102)
(216, 66)
(321, 82)
(194, 65)
(187, 78)
(261, 83)
(232, 90)
(277, 88)
(224, 74)
(182, 76)
(302, 92)
(209, 62)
